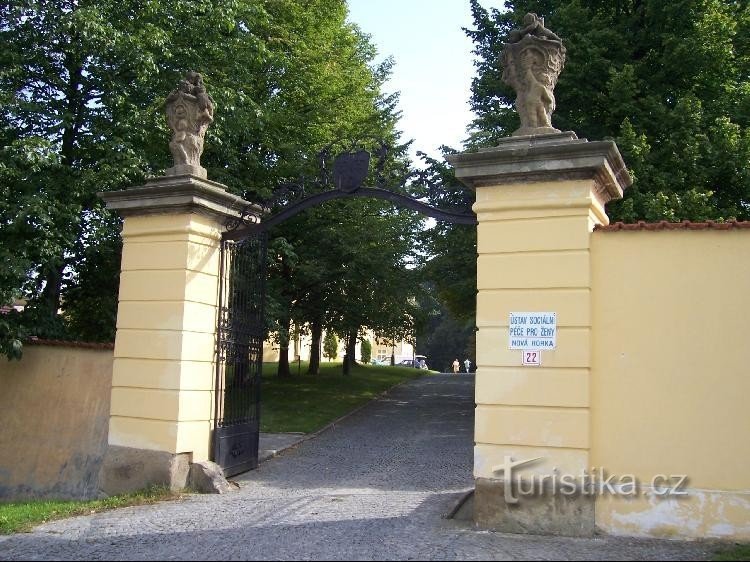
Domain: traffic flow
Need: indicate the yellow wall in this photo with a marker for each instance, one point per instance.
(670, 388)
(54, 409)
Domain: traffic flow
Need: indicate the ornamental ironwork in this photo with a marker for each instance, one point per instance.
(344, 178)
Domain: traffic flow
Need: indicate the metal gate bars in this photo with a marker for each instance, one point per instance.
(242, 289)
(239, 362)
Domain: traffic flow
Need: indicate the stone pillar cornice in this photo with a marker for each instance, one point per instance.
(560, 156)
(178, 194)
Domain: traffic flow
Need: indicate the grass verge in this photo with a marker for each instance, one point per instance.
(19, 517)
(305, 403)
(737, 552)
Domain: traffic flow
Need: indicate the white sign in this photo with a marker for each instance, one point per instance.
(533, 358)
(532, 330)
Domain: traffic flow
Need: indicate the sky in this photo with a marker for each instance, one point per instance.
(433, 64)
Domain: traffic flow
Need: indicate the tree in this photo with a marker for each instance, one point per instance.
(82, 91)
(667, 80)
(351, 270)
(451, 264)
(331, 346)
(366, 351)
(350, 267)
(91, 298)
(445, 339)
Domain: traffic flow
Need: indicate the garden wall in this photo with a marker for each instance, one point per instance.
(671, 376)
(54, 415)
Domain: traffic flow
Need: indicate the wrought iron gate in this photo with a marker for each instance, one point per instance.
(242, 291)
(240, 353)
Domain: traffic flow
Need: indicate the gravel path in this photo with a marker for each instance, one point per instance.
(374, 487)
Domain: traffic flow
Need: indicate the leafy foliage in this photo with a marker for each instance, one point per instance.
(451, 264)
(91, 299)
(366, 351)
(82, 90)
(349, 264)
(444, 339)
(330, 346)
(668, 81)
(682, 128)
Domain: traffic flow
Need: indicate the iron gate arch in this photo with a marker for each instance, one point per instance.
(241, 326)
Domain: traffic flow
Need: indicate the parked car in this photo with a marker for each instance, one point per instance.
(419, 362)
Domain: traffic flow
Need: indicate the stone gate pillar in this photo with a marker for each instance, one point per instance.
(538, 199)
(163, 377)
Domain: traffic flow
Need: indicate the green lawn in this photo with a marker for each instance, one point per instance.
(307, 403)
(737, 552)
(18, 517)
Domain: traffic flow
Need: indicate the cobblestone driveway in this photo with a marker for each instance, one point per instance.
(373, 487)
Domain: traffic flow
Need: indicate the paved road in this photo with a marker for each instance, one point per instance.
(374, 487)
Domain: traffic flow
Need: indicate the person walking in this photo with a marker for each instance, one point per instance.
(456, 366)
(467, 364)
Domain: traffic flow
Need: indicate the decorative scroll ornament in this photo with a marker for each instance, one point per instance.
(532, 61)
(343, 178)
(189, 112)
(346, 173)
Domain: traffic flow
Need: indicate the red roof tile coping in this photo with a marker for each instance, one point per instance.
(665, 225)
(64, 343)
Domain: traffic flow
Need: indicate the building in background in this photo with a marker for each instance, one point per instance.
(299, 347)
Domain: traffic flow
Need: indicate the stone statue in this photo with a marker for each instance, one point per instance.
(532, 61)
(189, 112)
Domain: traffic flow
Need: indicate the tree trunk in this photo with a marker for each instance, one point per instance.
(50, 297)
(351, 347)
(347, 366)
(317, 336)
(283, 371)
(351, 350)
(76, 97)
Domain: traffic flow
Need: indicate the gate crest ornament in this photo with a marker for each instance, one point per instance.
(190, 110)
(346, 178)
(532, 61)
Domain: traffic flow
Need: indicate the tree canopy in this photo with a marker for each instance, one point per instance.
(83, 85)
(349, 265)
(450, 264)
(668, 81)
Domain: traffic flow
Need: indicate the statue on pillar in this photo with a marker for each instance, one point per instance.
(190, 110)
(532, 61)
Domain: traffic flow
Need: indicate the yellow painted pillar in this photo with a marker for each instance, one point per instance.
(163, 376)
(537, 202)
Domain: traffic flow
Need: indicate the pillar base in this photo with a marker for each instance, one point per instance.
(544, 513)
(126, 470)
(187, 170)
